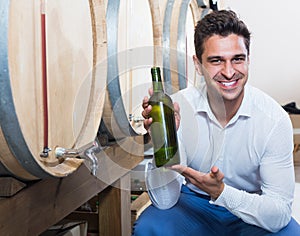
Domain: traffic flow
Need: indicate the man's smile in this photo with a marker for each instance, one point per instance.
(229, 84)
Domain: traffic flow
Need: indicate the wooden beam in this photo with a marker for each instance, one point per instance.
(114, 209)
(9, 186)
(138, 206)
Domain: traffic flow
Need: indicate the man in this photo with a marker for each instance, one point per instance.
(236, 147)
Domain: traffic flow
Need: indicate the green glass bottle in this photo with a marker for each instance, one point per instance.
(163, 127)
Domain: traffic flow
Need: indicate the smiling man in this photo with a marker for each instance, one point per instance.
(224, 64)
(236, 147)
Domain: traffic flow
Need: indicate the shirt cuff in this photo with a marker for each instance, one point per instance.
(230, 198)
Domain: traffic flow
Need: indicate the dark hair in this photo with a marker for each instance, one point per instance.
(223, 23)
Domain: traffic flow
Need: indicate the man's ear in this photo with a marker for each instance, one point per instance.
(197, 65)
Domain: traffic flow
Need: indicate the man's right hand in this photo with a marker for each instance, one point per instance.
(147, 109)
(146, 112)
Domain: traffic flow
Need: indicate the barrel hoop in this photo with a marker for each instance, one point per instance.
(181, 44)
(166, 46)
(113, 84)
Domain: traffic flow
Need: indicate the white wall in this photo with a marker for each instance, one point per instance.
(275, 49)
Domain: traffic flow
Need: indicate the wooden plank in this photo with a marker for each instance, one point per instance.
(295, 120)
(138, 206)
(140, 203)
(9, 186)
(47, 201)
(90, 217)
(114, 209)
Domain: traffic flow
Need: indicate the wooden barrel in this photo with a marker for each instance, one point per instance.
(129, 58)
(179, 21)
(50, 96)
(160, 29)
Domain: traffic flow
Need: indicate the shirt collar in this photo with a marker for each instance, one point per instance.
(244, 110)
(203, 105)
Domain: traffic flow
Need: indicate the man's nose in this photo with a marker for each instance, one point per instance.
(228, 70)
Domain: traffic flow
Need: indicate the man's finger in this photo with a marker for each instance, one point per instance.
(176, 107)
(216, 173)
(145, 102)
(178, 168)
(150, 91)
(184, 170)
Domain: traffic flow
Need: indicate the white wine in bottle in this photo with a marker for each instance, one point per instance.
(163, 127)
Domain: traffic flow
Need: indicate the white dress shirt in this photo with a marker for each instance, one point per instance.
(254, 151)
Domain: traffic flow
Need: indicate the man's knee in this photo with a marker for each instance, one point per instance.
(293, 228)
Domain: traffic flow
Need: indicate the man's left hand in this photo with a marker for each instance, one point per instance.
(211, 183)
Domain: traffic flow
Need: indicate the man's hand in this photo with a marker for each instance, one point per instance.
(147, 109)
(211, 183)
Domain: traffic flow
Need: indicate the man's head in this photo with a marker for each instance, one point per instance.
(222, 57)
(223, 23)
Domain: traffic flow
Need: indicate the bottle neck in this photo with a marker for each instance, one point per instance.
(156, 80)
(157, 86)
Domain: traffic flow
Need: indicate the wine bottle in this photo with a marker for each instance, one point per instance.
(163, 127)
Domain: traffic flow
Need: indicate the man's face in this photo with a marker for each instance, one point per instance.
(225, 65)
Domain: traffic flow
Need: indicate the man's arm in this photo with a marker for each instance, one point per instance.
(271, 209)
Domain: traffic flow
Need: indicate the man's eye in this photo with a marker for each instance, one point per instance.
(216, 61)
(238, 60)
